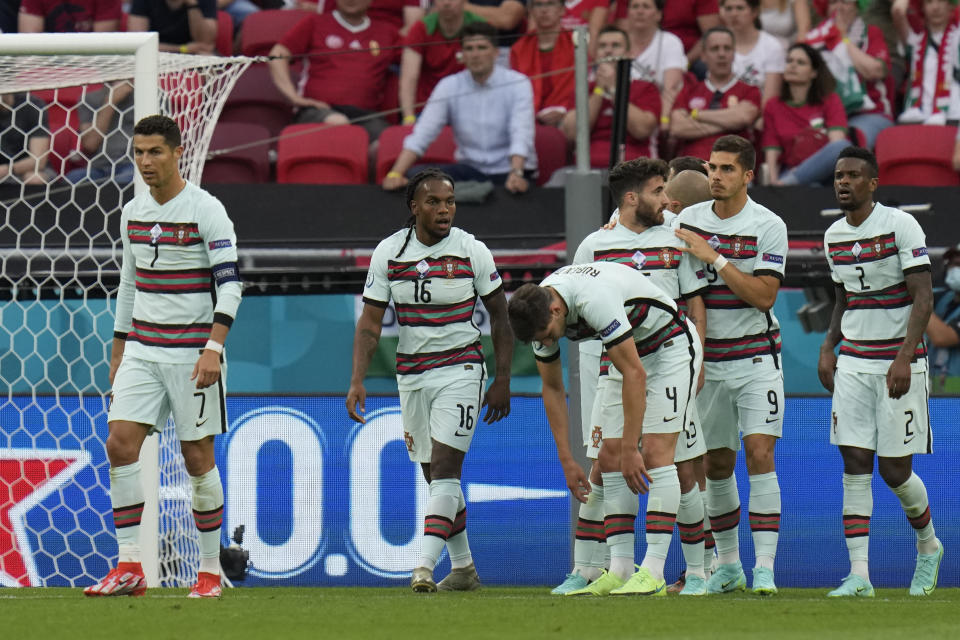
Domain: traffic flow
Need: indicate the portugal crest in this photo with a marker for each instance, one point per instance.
(409, 440)
(448, 267)
(596, 437)
(737, 245)
(666, 256)
(877, 246)
(181, 234)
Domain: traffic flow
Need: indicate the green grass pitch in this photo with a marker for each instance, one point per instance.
(494, 612)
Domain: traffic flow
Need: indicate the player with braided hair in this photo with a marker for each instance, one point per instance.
(433, 272)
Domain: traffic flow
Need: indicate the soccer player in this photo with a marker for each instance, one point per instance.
(881, 271)
(646, 339)
(178, 243)
(434, 271)
(643, 239)
(743, 246)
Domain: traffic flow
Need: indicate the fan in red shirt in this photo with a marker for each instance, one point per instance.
(686, 19)
(716, 106)
(431, 52)
(539, 55)
(59, 16)
(340, 85)
(643, 112)
(589, 13)
(805, 128)
(400, 14)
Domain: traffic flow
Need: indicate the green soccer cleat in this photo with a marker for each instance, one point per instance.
(763, 582)
(694, 586)
(602, 586)
(853, 586)
(927, 571)
(462, 579)
(642, 583)
(422, 581)
(727, 578)
(573, 582)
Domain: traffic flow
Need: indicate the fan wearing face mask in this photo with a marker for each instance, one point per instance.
(943, 329)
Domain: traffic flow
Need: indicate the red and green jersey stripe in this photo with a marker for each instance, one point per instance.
(920, 521)
(208, 520)
(173, 281)
(442, 267)
(729, 246)
(722, 297)
(878, 349)
(153, 334)
(590, 530)
(178, 233)
(890, 298)
(459, 523)
(439, 526)
(128, 516)
(659, 337)
(434, 315)
(637, 312)
(652, 257)
(416, 363)
(691, 533)
(863, 250)
(725, 349)
(764, 522)
(725, 521)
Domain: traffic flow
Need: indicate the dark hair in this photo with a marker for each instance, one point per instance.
(657, 3)
(484, 29)
(688, 163)
(755, 5)
(862, 154)
(746, 153)
(633, 175)
(159, 125)
(529, 311)
(612, 28)
(411, 193)
(822, 86)
(717, 29)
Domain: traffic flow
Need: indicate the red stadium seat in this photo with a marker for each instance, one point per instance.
(551, 146)
(919, 155)
(247, 165)
(224, 44)
(391, 144)
(64, 123)
(317, 154)
(263, 29)
(255, 99)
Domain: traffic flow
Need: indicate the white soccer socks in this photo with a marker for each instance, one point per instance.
(588, 546)
(126, 497)
(857, 509)
(723, 507)
(438, 524)
(764, 513)
(208, 516)
(690, 524)
(913, 499)
(662, 504)
(620, 508)
(457, 544)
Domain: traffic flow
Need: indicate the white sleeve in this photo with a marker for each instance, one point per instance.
(486, 278)
(376, 290)
(911, 245)
(772, 250)
(673, 54)
(584, 253)
(127, 290)
(774, 57)
(220, 240)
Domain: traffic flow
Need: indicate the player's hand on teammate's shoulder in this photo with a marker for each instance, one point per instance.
(497, 400)
(356, 402)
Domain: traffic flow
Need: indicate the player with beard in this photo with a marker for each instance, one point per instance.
(881, 271)
(643, 240)
(433, 272)
(743, 246)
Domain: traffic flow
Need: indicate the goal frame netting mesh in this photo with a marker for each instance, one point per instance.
(59, 263)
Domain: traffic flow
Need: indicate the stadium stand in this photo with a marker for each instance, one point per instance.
(255, 99)
(391, 143)
(918, 155)
(315, 154)
(247, 165)
(264, 29)
(224, 43)
(552, 151)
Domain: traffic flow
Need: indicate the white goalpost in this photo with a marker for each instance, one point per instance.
(59, 266)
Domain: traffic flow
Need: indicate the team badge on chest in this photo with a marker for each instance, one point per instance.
(666, 257)
(448, 267)
(877, 246)
(181, 234)
(736, 245)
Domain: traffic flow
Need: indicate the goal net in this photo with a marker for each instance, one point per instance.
(69, 103)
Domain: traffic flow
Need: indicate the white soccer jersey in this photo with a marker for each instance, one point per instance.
(870, 261)
(608, 301)
(767, 56)
(664, 52)
(755, 242)
(654, 252)
(434, 290)
(179, 275)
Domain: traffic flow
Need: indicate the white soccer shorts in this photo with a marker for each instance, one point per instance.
(446, 410)
(730, 409)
